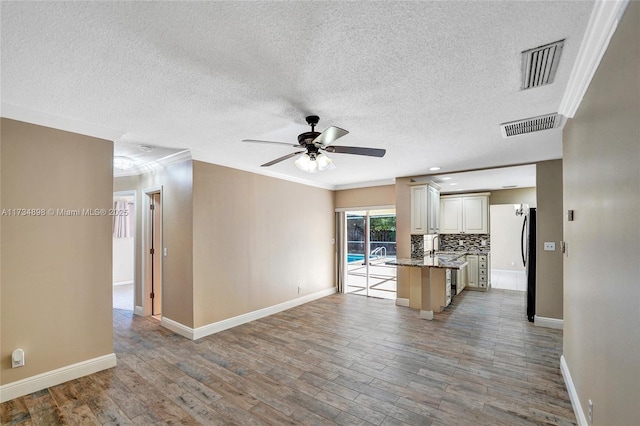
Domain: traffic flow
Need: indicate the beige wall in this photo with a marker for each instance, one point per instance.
(366, 197)
(514, 196)
(403, 233)
(549, 229)
(56, 271)
(602, 272)
(256, 240)
(506, 229)
(176, 181)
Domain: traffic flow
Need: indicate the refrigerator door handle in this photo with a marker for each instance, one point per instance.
(522, 236)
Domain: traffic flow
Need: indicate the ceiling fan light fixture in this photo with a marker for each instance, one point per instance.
(324, 162)
(304, 163)
(313, 163)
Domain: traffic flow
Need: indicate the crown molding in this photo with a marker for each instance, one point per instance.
(208, 158)
(367, 184)
(602, 24)
(160, 163)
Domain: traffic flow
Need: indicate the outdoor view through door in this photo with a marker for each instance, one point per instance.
(371, 241)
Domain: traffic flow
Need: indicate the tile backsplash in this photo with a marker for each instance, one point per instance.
(421, 244)
(470, 242)
(417, 246)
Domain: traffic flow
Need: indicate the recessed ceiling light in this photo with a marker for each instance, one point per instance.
(446, 178)
(145, 148)
(453, 184)
(122, 163)
(509, 186)
(434, 169)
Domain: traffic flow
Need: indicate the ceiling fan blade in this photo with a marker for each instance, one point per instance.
(371, 152)
(271, 142)
(329, 135)
(277, 160)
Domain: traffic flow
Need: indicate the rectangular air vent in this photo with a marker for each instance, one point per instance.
(529, 125)
(539, 64)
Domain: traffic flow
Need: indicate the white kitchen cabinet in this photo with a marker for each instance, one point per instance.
(464, 214)
(425, 209)
(433, 209)
(484, 272)
(472, 271)
(462, 278)
(479, 270)
(447, 285)
(450, 215)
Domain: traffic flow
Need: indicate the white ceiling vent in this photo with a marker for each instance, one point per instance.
(530, 125)
(539, 64)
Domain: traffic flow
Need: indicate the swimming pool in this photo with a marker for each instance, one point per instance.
(354, 257)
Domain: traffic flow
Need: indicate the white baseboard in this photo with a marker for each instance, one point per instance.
(122, 283)
(428, 315)
(55, 377)
(402, 302)
(216, 327)
(548, 322)
(573, 394)
(177, 327)
(137, 310)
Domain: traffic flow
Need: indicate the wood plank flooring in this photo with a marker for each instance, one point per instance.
(344, 359)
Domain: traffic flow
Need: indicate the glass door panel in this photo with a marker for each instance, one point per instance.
(371, 241)
(382, 248)
(356, 242)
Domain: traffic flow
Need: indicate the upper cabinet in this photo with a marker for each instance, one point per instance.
(425, 209)
(467, 214)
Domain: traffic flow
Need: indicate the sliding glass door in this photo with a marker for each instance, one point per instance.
(370, 242)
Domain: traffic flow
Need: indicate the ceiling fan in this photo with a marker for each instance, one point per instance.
(313, 158)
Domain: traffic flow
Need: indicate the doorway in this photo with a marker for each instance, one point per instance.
(507, 269)
(153, 253)
(123, 250)
(370, 242)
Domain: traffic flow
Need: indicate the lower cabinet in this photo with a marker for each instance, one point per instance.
(462, 278)
(447, 298)
(472, 266)
(479, 271)
(484, 280)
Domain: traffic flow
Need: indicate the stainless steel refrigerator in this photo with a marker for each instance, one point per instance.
(528, 245)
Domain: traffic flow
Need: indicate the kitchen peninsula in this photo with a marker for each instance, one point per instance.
(430, 281)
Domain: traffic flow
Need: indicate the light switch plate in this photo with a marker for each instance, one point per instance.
(549, 246)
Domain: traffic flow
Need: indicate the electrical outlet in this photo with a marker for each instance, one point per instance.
(299, 289)
(460, 242)
(590, 413)
(549, 246)
(17, 358)
(483, 243)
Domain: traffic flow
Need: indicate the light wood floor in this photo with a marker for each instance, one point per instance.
(344, 359)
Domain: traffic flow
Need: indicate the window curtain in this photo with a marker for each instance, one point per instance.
(123, 222)
(340, 251)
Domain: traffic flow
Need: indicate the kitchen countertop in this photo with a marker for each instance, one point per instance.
(431, 262)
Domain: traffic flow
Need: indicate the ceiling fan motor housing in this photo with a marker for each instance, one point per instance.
(306, 138)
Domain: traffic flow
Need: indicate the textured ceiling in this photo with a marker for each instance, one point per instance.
(428, 81)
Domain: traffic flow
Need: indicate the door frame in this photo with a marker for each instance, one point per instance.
(146, 274)
(342, 255)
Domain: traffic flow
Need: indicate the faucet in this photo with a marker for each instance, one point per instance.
(433, 245)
